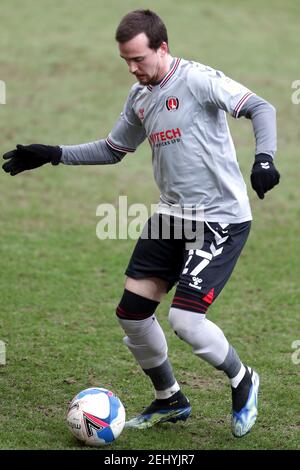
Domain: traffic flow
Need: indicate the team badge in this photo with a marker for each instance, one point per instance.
(141, 113)
(172, 103)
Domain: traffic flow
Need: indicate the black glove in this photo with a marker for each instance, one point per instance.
(264, 175)
(27, 157)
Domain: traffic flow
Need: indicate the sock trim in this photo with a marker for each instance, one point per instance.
(235, 381)
(135, 307)
(167, 393)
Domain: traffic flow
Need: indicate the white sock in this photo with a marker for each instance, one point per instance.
(237, 379)
(164, 394)
(146, 340)
(205, 337)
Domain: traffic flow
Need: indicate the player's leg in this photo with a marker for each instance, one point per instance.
(204, 275)
(146, 340)
(150, 276)
(144, 336)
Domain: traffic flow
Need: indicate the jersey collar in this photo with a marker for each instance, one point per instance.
(169, 75)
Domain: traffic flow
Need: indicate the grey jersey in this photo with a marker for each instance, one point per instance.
(193, 156)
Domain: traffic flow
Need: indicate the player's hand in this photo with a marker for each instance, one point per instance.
(264, 175)
(27, 157)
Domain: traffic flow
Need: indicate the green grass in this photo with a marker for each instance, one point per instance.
(60, 285)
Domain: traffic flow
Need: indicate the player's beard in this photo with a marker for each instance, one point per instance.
(146, 79)
(143, 80)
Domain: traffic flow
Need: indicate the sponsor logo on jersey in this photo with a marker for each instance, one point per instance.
(170, 136)
(172, 103)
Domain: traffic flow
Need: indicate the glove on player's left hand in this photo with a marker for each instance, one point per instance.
(27, 157)
(264, 175)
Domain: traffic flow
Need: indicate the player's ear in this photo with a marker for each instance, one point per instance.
(163, 48)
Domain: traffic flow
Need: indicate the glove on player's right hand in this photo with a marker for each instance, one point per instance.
(27, 157)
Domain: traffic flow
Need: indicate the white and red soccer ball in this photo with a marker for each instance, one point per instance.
(96, 416)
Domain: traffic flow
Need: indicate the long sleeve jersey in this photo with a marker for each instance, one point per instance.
(193, 155)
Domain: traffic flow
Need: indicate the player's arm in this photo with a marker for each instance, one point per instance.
(236, 99)
(28, 157)
(264, 175)
(125, 137)
(213, 88)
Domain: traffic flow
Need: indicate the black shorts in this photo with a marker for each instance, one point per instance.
(201, 273)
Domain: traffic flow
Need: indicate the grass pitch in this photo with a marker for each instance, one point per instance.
(60, 285)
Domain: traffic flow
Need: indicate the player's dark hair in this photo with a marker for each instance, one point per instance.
(142, 21)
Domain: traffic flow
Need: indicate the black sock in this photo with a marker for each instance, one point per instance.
(175, 399)
(241, 392)
(161, 376)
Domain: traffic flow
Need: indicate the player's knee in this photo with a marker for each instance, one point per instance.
(185, 324)
(135, 307)
(179, 323)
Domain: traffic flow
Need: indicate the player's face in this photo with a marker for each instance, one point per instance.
(148, 66)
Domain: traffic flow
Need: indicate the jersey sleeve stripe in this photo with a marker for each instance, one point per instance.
(241, 103)
(118, 147)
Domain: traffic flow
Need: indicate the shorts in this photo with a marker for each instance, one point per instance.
(202, 272)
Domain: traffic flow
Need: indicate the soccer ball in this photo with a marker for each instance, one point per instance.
(96, 416)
